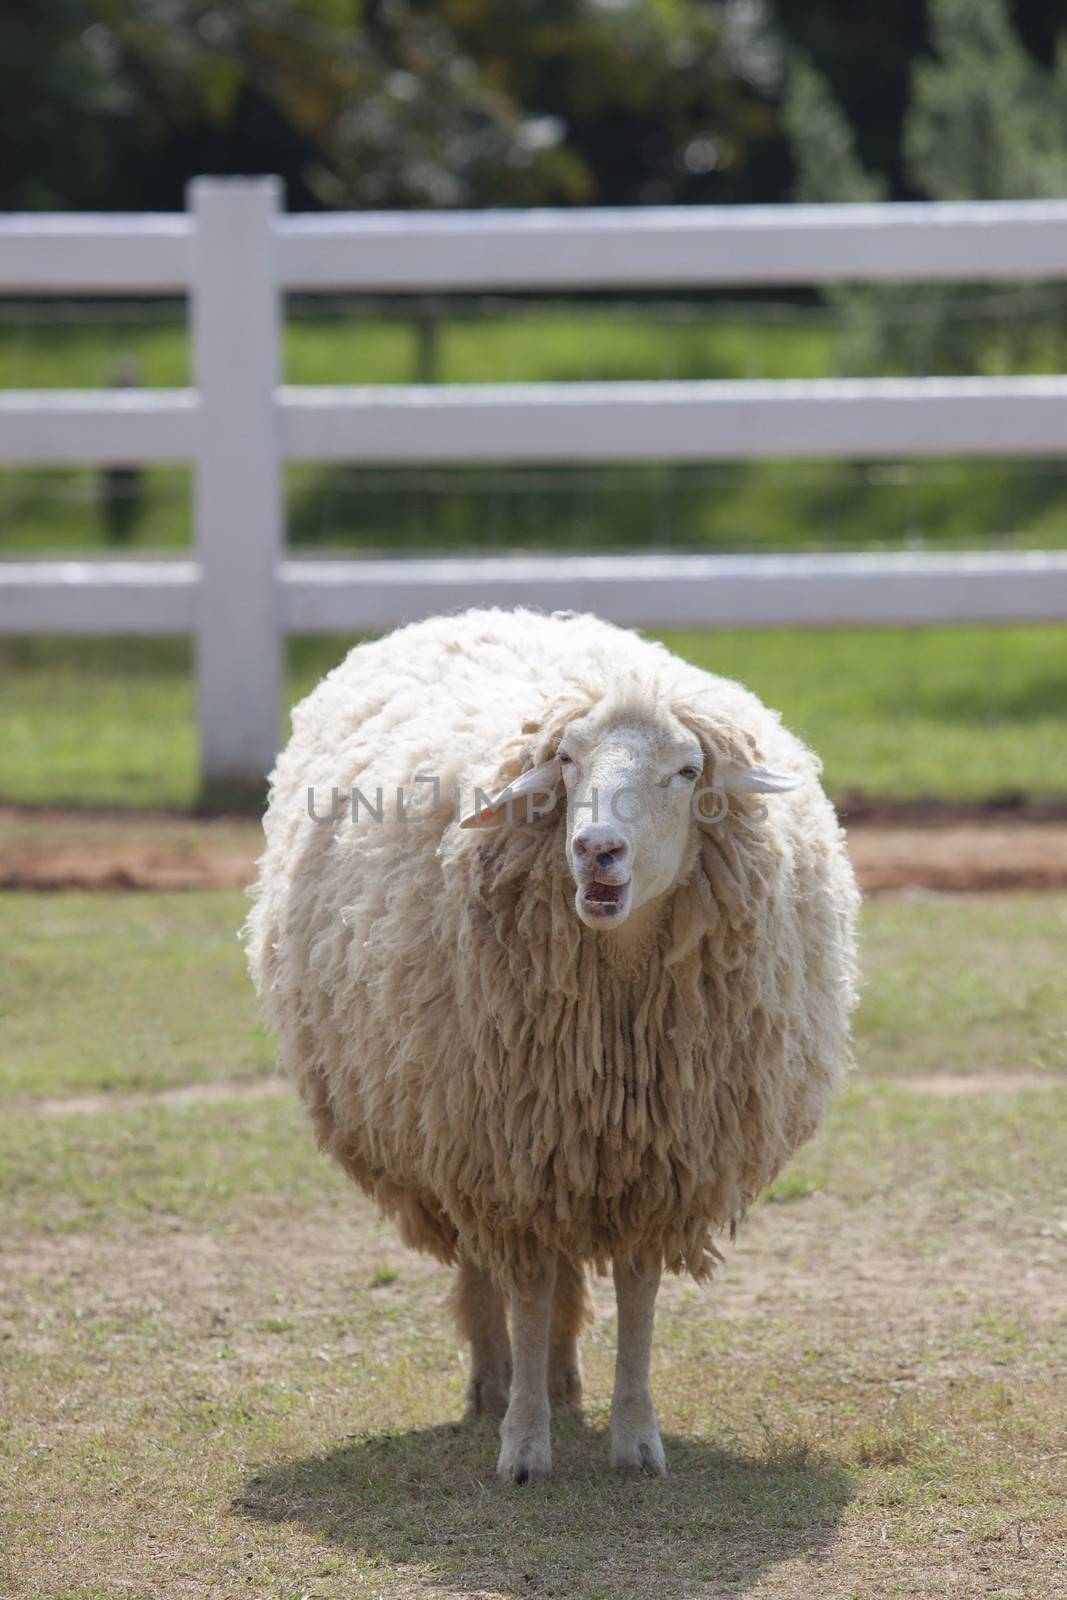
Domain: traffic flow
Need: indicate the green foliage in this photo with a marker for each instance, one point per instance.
(115, 103)
(58, 105)
(828, 168)
(984, 122)
(110, 104)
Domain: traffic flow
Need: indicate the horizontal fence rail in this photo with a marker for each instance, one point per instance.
(77, 426)
(141, 598)
(611, 247)
(862, 419)
(339, 596)
(683, 591)
(234, 255)
(145, 254)
(866, 419)
(672, 247)
(872, 420)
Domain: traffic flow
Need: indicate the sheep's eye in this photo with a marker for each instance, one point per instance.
(689, 773)
(564, 759)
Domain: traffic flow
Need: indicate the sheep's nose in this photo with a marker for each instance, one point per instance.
(605, 850)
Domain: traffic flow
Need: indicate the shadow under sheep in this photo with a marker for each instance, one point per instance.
(428, 1496)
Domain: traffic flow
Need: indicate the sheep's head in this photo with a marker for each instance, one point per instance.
(629, 787)
(639, 786)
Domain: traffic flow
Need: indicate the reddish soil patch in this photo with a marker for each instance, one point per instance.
(960, 857)
(127, 868)
(61, 849)
(949, 849)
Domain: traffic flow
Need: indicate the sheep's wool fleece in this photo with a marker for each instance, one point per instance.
(499, 1077)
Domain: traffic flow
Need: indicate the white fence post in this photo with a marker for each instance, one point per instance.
(234, 314)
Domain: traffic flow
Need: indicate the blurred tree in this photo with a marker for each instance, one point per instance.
(828, 167)
(867, 56)
(413, 120)
(658, 101)
(985, 122)
(56, 105)
(864, 56)
(112, 104)
(115, 103)
(985, 119)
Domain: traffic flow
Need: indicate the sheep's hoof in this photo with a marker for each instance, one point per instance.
(524, 1463)
(487, 1396)
(638, 1449)
(525, 1451)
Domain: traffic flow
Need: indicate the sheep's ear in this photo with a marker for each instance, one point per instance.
(756, 780)
(539, 785)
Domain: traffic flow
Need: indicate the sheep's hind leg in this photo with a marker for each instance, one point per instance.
(525, 1442)
(635, 1440)
(478, 1309)
(572, 1312)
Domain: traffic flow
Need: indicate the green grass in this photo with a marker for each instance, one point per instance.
(88, 721)
(953, 712)
(729, 507)
(938, 974)
(139, 992)
(80, 349)
(136, 992)
(222, 1375)
(116, 1169)
(966, 712)
(774, 506)
(948, 712)
(779, 505)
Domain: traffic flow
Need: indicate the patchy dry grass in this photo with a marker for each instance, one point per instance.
(128, 992)
(958, 985)
(223, 1377)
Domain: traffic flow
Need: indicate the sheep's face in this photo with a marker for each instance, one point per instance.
(634, 788)
(630, 835)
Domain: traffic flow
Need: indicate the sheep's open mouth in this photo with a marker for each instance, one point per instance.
(604, 900)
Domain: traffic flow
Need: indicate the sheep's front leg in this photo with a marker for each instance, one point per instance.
(481, 1319)
(525, 1445)
(635, 1440)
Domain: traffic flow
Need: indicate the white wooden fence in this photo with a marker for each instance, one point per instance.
(235, 253)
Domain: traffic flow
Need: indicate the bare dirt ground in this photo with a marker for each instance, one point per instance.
(222, 1375)
(323, 1508)
(950, 849)
(945, 1086)
(63, 849)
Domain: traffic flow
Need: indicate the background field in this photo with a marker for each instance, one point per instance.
(765, 505)
(971, 713)
(222, 1376)
(219, 1373)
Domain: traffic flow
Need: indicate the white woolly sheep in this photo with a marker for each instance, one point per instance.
(547, 1037)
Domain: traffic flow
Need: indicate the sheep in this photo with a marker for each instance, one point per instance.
(546, 1037)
